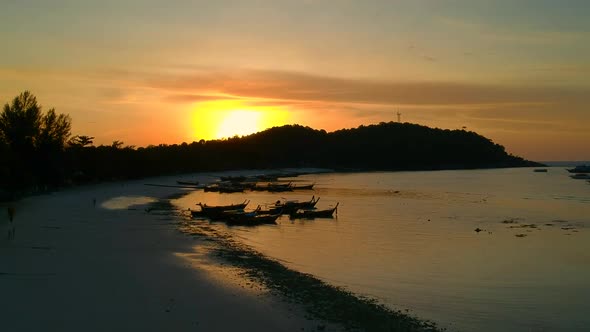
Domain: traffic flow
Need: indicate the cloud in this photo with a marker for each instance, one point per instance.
(281, 86)
(193, 98)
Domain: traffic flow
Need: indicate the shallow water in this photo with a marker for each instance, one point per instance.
(126, 202)
(408, 239)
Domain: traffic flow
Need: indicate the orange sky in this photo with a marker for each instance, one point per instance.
(144, 73)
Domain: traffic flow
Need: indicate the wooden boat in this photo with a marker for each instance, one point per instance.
(311, 214)
(240, 178)
(274, 210)
(198, 214)
(268, 177)
(580, 169)
(279, 185)
(540, 170)
(273, 187)
(303, 187)
(289, 207)
(248, 219)
(211, 188)
(224, 188)
(229, 190)
(188, 183)
(240, 206)
(278, 189)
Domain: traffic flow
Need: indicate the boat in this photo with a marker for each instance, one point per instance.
(219, 212)
(250, 219)
(273, 187)
(278, 189)
(239, 178)
(303, 187)
(268, 177)
(273, 210)
(580, 176)
(225, 188)
(211, 188)
(540, 170)
(229, 190)
(580, 169)
(311, 214)
(289, 207)
(239, 206)
(188, 183)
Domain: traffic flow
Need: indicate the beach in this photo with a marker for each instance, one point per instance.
(92, 258)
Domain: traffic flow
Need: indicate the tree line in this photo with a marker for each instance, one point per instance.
(38, 152)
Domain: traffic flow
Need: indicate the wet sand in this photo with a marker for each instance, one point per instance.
(76, 266)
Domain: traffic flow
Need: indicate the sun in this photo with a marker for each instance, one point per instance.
(239, 123)
(220, 119)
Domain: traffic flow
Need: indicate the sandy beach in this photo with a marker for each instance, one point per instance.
(77, 265)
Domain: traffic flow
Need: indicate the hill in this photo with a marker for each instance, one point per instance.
(384, 146)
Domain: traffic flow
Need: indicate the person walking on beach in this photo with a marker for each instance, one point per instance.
(11, 212)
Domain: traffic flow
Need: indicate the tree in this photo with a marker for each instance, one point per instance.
(117, 144)
(20, 122)
(35, 140)
(81, 141)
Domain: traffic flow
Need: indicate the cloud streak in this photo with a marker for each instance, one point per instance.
(300, 87)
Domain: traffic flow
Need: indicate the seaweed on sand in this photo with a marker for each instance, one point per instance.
(320, 300)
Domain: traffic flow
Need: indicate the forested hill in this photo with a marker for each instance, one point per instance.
(385, 146)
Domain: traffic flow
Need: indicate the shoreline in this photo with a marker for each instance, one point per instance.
(113, 267)
(321, 300)
(191, 258)
(7, 197)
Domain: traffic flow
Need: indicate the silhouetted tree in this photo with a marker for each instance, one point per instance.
(81, 141)
(117, 144)
(35, 141)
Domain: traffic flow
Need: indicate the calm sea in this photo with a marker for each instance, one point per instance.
(409, 240)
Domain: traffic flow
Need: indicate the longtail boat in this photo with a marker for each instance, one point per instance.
(239, 178)
(188, 183)
(311, 214)
(249, 219)
(240, 206)
(303, 187)
(289, 207)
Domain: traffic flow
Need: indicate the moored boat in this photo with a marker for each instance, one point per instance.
(188, 183)
(580, 176)
(289, 207)
(311, 214)
(239, 178)
(303, 187)
(239, 206)
(249, 219)
(580, 169)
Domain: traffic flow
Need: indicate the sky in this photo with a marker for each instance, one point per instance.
(151, 72)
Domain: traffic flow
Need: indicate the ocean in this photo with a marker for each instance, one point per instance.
(472, 250)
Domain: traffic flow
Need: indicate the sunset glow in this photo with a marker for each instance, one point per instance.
(196, 70)
(239, 123)
(228, 118)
